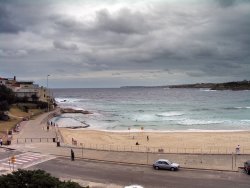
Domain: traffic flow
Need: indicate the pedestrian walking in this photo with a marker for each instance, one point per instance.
(147, 138)
(237, 149)
(72, 155)
(1, 141)
(47, 127)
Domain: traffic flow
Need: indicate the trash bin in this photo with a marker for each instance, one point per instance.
(54, 139)
(58, 144)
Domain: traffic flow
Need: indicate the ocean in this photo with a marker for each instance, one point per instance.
(155, 109)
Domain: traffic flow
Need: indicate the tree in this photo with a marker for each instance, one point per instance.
(34, 179)
(7, 94)
(4, 106)
(34, 98)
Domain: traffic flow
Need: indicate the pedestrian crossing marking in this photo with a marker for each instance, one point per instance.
(31, 158)
(21, 160)
(24, 160)
(5, 164)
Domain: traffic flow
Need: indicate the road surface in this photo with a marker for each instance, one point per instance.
(146, 176)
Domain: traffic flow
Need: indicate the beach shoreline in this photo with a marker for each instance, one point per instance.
(226, 140)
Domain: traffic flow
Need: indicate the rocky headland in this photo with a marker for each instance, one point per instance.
(241, 85)
(237, 85)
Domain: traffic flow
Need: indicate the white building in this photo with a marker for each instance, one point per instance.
(27, 89)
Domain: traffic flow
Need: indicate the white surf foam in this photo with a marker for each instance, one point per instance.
(198, 122)
(169, 114)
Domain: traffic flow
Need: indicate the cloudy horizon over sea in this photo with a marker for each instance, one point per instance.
(155, 109)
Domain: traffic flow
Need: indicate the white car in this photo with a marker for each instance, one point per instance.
(133, 186)
(165, 164)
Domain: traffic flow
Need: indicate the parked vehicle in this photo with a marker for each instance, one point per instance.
(247, 167)
(133, 186)
(165, 164)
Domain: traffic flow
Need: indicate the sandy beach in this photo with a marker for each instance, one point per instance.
(221, 141)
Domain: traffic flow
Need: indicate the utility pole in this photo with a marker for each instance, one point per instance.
(47, 93)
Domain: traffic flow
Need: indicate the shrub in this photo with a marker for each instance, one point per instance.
(7, 94)
(34, 179)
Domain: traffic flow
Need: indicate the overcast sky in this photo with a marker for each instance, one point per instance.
(112, 43)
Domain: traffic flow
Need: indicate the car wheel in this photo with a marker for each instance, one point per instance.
(172, 169)
(156, 168)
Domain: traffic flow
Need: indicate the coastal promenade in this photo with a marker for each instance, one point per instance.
(40, 140)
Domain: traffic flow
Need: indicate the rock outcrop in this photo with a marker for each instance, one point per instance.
(71, 110)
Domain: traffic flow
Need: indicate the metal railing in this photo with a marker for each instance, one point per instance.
(177, 150)
(33, 140)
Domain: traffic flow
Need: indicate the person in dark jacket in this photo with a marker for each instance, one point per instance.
(72, 155)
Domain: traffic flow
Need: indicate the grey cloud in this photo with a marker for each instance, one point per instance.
(225, 3)
(7, 22)
(116, 74)
(12, 53)
(195, 74)
(116, 28)
(123, 22)
(202, 40)
(65, 46)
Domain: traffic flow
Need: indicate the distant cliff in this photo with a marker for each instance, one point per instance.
(241, 85)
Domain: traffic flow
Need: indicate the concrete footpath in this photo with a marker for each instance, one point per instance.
(37, 129)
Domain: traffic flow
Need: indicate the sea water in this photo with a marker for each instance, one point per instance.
(161, 109)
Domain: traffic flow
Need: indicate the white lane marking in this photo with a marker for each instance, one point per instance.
(28, 159)
(31, 158)
(21, 160)
(5, 164)
(38, 155)
(17, 163)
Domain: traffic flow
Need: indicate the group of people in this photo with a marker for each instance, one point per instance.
(50, 123)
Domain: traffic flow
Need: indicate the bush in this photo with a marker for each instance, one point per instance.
(7, 94)
(4, 106)
(34, 179)
(42, 105)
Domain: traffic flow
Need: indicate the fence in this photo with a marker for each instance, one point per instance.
(33, 140)
(187, 157)
(136, 148)
(209, 150)
(188, 160)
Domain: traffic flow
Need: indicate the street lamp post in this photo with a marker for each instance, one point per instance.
(48, 91)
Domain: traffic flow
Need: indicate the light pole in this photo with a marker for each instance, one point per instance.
(48, 91)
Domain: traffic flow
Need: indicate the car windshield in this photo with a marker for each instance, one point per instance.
(169, 162)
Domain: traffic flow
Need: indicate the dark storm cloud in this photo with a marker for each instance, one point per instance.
(123, 22)
(7, 22)
(154, 42)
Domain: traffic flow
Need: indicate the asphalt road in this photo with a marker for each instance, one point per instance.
(146, 176)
